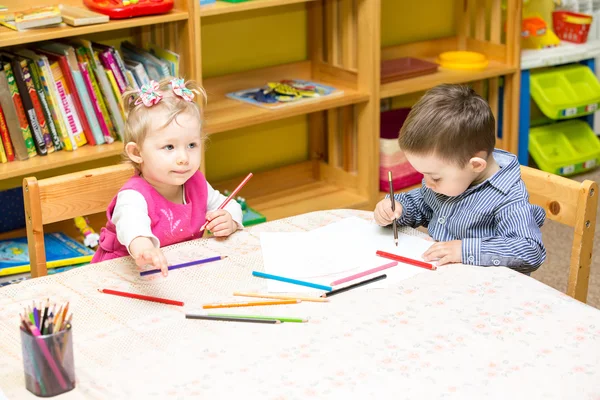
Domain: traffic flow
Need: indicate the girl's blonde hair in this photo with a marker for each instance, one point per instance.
(138, 115)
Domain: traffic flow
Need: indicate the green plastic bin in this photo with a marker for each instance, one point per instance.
(566, 92)
(564, 148)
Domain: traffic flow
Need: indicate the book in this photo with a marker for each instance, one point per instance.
(61, 251)
(35, 17)
(33, 108)
(6, 143)
(167, 55)
(106, 93)
(12, 119)
(284, 93)
(36, 77)
(78, 16)
(20, 111)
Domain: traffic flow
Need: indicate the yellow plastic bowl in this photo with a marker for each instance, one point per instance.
(466, 60)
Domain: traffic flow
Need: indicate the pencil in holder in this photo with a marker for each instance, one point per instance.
(48, 362)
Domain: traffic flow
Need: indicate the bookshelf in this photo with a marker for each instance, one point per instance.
(344, 51)
(335, 175)
(484, 27)
(173, 30)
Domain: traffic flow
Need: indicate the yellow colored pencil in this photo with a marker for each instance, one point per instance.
(250, 304)
(283, 297)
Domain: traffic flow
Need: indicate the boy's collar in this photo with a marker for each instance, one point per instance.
(509, 173)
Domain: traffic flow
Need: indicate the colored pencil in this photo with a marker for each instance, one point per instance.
(250, 304)
(142, 297)
(183, 265)
(49, 358)
(228, 199)
(45, 316)
(279, 296)
(282, 319)
(406, 260)
(364, 273)
(395, 225)
(232, 319)
(290, 280)
(353, 286)
(36, 318)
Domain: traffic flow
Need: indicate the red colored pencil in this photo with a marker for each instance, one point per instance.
(231, 196)
(406, 260)
(142, 297)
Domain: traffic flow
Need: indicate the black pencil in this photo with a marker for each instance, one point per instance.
(232, 319)
(353, 286)
(395, 225)
(43, 324)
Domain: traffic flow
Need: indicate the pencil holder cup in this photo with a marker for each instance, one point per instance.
(48, 363)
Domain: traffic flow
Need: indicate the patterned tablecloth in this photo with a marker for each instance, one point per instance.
(459, 333)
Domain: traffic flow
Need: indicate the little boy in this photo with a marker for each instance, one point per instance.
(473, 200)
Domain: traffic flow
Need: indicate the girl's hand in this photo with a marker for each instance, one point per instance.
(383, 212)
(144, 253)
(221, 224)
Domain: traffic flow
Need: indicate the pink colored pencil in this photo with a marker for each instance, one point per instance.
(231, 196)
(365, 273)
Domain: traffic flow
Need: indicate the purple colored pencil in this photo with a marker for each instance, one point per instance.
(364, 273)
(187, 264)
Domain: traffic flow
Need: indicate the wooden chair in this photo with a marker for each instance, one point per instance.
(574, 204)
(64, 197)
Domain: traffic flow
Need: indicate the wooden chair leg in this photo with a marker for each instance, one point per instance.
(35, 228)
(583, 241)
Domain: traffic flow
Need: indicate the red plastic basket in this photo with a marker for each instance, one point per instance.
(571, 27)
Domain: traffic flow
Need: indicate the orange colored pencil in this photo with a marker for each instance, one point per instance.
(251, 303)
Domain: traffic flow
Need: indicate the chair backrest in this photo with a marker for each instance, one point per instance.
(63, 197)
(574, 204)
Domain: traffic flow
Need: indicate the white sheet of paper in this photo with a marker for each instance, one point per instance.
(335, 251)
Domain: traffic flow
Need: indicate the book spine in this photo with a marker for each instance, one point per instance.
(109, 62)
(16, 97)
(37, 107)
(12, 120)
(3, 159)
(94, 102)
(34, 70)
(84, 55)
(8, 148)
(54, 101)
(66, 104)
(115, 87)
(111, 102)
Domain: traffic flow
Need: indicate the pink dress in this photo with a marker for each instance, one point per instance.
(171, 223)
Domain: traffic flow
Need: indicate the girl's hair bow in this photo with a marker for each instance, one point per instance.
(180, 90)
(149, 94)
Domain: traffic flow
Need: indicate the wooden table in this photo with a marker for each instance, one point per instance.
(460, 333)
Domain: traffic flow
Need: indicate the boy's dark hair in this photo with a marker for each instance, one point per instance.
(452, 122)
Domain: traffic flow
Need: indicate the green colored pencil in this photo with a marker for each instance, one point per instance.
(282, 319)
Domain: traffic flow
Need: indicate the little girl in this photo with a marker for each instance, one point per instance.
(168, 200)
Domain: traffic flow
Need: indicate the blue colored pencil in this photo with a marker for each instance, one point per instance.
(289, 280)
(187, 264)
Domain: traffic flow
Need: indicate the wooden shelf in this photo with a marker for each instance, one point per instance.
(221, 7)
(421, 83)
(8, 37)
(293, 190)
(60, 159)
(224, 114)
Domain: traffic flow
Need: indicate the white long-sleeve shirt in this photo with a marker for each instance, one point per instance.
(131, 218)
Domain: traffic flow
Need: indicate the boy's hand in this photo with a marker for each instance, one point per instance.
(445, 252)
(221, 223)
(383, 212)
(144, 253)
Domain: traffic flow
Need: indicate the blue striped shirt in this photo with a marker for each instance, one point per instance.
(494, 219)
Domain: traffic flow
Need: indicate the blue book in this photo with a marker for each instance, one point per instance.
(61, 251)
